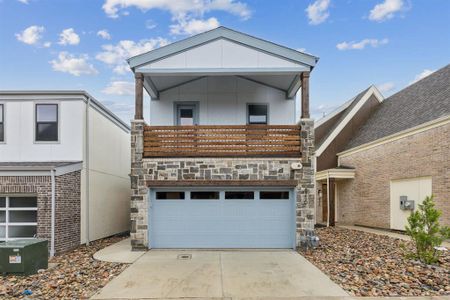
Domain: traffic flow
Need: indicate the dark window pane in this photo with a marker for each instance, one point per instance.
(1, 113)
(47, 132)
(2, 132)
(186, 113)
(169, 195)
(46, 113)
(22, 202)
(23, 216)
(274, 195)
(239, 195)
(2, 216)
(2, 202)
(21, 231)
(257, 114)
(2, 232)
(204, 195)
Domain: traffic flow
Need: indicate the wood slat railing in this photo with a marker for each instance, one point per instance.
(222, 141)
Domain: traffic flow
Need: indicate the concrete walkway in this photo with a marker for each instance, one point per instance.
(386, 233)
(119, 252)
(162, 274)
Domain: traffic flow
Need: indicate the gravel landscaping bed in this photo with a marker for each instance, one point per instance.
(367, 264)
(76, 275)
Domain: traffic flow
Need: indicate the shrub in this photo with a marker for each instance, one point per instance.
(424, 229)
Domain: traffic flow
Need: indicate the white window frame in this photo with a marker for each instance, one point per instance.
(7, 224)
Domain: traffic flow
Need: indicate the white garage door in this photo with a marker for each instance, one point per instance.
(214, 218)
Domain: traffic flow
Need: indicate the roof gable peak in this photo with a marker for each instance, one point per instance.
(222, 33)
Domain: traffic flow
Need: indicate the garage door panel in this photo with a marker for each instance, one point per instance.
(221, 223)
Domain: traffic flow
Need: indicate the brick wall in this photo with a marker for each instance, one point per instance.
(366, 199)
(143, 169)
(68, 211)
(67, 235)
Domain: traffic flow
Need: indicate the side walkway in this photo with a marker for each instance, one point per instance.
(119, 252)
(386, 233)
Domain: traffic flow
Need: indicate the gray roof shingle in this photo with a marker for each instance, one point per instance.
(421, 102)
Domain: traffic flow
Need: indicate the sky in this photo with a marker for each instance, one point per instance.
(84, 44)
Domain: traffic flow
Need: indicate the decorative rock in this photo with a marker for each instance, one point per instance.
(366, 264)
(76, 276)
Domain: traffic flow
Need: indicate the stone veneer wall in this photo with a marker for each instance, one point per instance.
(143, 169)
(366, 199)
(67, 226)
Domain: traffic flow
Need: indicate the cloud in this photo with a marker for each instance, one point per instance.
(71, 64)
(386, 87)
(318, 11)
(179, 8)
(422, 75)
(116, 55)
(104, 34)
(385, 10)
(119, 88)
(194, 26)
(361, 44)
(31, 35)
(320, 111)
(23, 1)
(150, 24)
(47, 44)
(69, 37)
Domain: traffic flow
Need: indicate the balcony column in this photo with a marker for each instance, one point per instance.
(304, 77)
(139, 96)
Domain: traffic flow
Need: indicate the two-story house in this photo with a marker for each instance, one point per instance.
(222, 161)
(64, 164)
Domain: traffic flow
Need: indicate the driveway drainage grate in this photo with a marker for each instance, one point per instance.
(184, 256)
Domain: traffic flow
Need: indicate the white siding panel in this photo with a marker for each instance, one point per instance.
(20, 129)
(206, 56)
(222, 53)
(223, 101)
(109, 184)
(174, 61)
(238, 56)
(269, 61)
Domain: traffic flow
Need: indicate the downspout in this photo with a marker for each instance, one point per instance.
(87, 169)
(53, 213)
(328, 198)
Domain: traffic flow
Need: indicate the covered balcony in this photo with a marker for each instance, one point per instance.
(222, 93)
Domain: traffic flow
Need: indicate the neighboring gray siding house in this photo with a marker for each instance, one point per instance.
(64, 164)
(222, 162)
(398, 149)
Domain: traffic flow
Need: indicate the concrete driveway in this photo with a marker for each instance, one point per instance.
(220, 274)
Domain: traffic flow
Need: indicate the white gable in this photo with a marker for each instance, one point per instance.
(221, 53)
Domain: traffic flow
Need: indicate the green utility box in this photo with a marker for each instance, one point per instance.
(23, 257)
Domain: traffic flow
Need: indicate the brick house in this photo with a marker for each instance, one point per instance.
(64, 164)
(373, 154)
(223, 160)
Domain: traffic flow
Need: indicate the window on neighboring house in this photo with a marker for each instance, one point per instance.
(257, 114)
(46, 122)
(18, 217)
(2, 124)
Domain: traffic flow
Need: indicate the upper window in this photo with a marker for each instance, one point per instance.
(2, 124)
(46, 122)
(257, 114)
